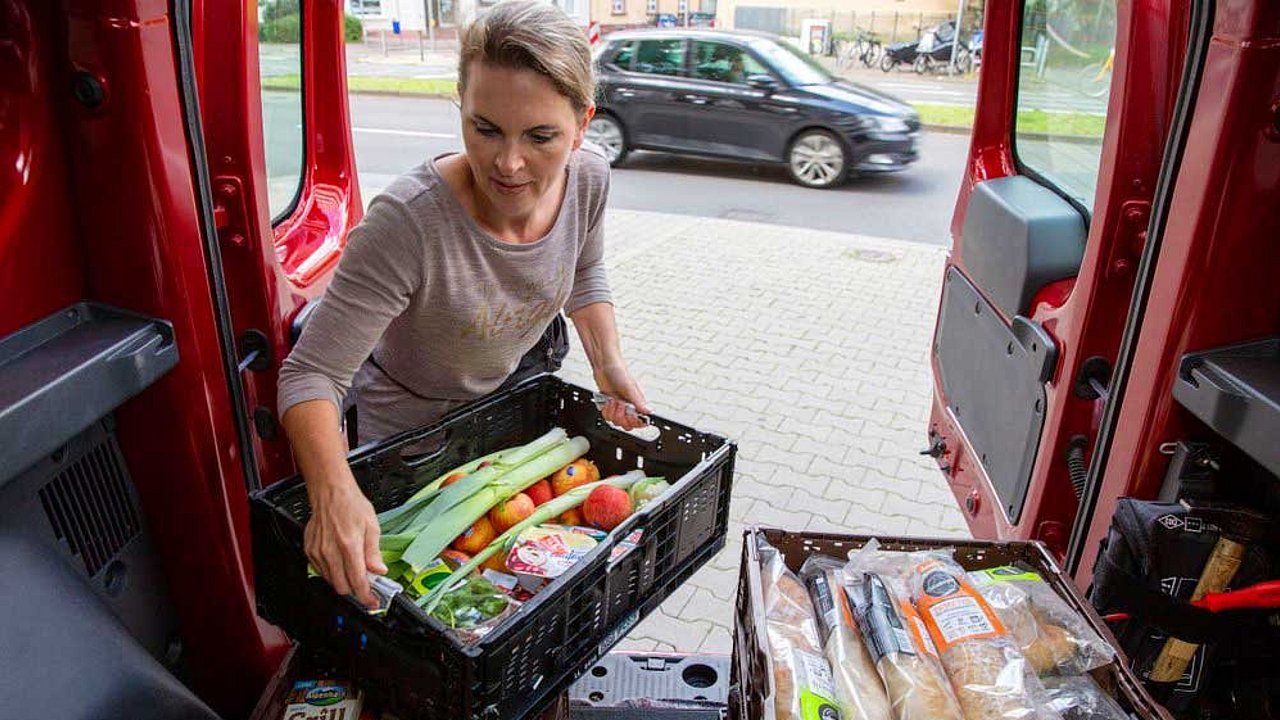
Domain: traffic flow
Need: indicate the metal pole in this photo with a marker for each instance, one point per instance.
(431, 24)
(955, 45)
(920, 28)
(872, 28)
(893, 37)
(855, 21)
(383, 36)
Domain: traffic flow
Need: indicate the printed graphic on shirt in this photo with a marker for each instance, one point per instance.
(518, 314)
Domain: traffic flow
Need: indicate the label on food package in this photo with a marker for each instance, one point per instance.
(879, 618)
(323, 700)
(953, 611)
(817, 688)
(542, 554)
(1004, 573)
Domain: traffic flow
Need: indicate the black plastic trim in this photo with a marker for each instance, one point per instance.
(61, 374)
(1199, 33)
(1236, 391)
(181, 12)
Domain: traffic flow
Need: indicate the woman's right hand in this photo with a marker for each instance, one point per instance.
(341, 539)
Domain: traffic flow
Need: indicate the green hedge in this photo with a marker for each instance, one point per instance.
(352, 28)
(283, 29)
(288, 29)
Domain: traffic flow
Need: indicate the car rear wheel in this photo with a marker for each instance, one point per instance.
(606, 131)
(817, 159)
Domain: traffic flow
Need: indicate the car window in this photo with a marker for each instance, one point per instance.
(794, 66)
(1064, 79)
(659, 57)
(280, 69)
(725, 63)
(622, 58)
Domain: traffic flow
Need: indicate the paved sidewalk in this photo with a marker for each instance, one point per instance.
(811, 350)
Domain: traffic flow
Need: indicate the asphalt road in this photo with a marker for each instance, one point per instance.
(394, 133)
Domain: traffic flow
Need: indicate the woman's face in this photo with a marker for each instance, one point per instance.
(518, 131)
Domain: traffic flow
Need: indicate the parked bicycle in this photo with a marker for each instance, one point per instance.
(1095, 78)
(864, 48)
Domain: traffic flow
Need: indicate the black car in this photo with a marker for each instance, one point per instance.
(745, 96)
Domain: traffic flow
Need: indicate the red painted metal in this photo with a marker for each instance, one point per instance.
(41, 270)
(1086, 315)
(1215, 283)
(273, 271)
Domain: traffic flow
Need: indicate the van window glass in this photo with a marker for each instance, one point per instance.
(280, 69)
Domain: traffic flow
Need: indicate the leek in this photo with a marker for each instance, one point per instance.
(395, 519)
(543, 514)
(461, 504)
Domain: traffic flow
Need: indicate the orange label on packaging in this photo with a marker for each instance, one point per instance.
(952, 610)
(919, 635)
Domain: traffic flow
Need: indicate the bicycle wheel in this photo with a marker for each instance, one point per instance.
(871, 55)
(1094, 81)
(964, 62)
(921, 65)
(888, 62)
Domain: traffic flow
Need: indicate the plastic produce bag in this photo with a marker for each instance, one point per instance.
(1078, 697)
(474, 607)
(859, 690)
(803, 686)
(1053, 637)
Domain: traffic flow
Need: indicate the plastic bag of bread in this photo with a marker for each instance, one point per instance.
(1078, 697)
(914, 682)
(802, 682)
(1052, 636)
(990, 676)
(859, 690)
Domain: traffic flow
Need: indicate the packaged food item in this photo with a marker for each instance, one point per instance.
(543, 553)
(473, 608)
(803, 685)
(323, 700)
(916, 686)
(991, 678)
(1053, 637)
(1078, 697)
(859, 690)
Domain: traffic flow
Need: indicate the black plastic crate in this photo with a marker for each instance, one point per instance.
(407, 660)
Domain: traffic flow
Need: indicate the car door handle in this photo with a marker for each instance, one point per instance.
(626, 94)
(695, 99)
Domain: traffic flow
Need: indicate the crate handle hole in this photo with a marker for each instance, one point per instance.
(599, 671)
(596, 696)
(700, 676)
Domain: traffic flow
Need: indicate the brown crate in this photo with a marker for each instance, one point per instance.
(752, 695)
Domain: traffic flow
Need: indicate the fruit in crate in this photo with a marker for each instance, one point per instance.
(511, 511)
(540, 492)
(607, 507)
(476, 538)
(572, 517)
(454, 559)
(579, 472)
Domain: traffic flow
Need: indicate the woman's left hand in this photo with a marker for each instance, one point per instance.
(615, 381)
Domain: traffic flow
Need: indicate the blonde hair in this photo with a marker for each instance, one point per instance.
(533, 35)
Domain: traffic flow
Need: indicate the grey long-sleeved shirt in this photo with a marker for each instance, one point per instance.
(444, 308)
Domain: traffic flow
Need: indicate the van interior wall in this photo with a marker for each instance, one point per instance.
(98, 202)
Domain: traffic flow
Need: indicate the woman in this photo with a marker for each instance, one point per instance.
(455, 273)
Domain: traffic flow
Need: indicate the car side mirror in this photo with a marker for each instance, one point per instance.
(762, 82)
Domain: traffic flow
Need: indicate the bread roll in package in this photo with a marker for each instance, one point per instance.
(990, 676)
(804, 688)
(904, 656)
(1054, 638)
(859, 690)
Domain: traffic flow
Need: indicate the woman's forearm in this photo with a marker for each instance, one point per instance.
(319, 448)
(598, 330)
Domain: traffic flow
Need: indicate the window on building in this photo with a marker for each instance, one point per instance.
(365, 7)
(619, 7)
(651, 7)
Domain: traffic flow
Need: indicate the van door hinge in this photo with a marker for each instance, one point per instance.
(230, 214)
(1131, 238)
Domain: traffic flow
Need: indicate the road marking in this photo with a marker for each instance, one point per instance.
(409, 133)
